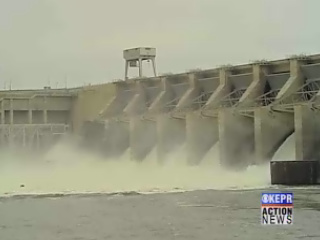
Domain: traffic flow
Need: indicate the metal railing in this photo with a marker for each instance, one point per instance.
(304, 95)
(229, 100)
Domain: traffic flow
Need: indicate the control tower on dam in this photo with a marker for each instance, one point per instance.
(249, 110)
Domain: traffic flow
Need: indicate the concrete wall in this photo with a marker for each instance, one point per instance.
(26, 108)
(236, 135)
(58, 116)
(274, 124)
(34, 119)
(245, 138)
(293, 84)
(143, 137)
(248, 133)
(271, 130)
(236, 131)
(90, 101)
(163, 112)
(202, 133)
(37, 117)
(307, 132)
(170, 135)
(202, 124)
(20, 117)
(143, 131)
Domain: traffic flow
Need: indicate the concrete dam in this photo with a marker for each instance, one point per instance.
(246, 112)
(250, 110)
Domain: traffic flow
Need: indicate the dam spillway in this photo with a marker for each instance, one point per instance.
(248, 110)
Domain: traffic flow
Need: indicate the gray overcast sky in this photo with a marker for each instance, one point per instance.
(47, 40)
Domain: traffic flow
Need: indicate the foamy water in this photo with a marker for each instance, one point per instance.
(67, 169)
(286, 151)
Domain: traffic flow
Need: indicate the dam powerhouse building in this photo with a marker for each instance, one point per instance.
(249, 109)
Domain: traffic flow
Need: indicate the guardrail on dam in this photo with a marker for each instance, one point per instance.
(250, 109)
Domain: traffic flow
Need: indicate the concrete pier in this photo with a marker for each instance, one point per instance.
(236, 131)
(170, 135)
(201, 130)
(202, 123)
(271, 130)
(117, 138)
(117, 119)
(171, 129)
(143, 137)
(273, 127)
(236, 136)
(307, 132)
(143, 125)
(202, 133)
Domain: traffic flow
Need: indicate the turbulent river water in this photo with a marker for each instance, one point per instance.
(67, 169)
(73, 194)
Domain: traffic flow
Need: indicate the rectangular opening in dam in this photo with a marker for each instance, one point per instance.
(239, 84)
(274, 83)
(6, 117)
(37, 117)
(20, 117)
(152, 88)
(58, 117)
(312, 86)
(178, 90)
(207, 87)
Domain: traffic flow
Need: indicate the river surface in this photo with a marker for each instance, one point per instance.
(70, 194)
(206, 214)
